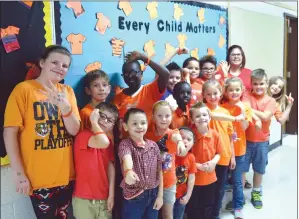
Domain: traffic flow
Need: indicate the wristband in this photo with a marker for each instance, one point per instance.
(98, 133)
(126, 171)
(68, 114)
(180, 51)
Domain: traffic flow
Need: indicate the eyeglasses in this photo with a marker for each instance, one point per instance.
(103, 116)
(132, 73)
(208, 69)
(236, 55)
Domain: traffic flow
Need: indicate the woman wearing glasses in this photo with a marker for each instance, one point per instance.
(234, 66)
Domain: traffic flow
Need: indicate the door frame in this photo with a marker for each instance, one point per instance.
(287, 17)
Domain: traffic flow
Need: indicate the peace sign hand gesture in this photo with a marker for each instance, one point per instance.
(57, 98)
(290, 99)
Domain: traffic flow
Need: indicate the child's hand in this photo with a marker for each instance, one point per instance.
(110, 203)
(158, 203)
(22, 183)
(225, 68)
(210, 166)
(185, 199)
(181, 149)
(184, 50)
(232, 164)
(132, 56)
(94, 116)
(131, 177)
(258, 125)
(290, 99)
(201, 167)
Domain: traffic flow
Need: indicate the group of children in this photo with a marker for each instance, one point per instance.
(164, 145)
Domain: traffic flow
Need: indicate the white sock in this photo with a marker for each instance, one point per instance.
(256, 189)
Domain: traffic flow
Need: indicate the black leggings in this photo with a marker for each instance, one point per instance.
(52, 203)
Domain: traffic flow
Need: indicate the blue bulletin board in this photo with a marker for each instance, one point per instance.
(94, 30)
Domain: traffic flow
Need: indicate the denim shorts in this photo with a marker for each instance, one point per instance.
(169, 195)
(257, 154)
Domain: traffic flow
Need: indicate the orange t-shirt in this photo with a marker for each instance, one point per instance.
(184, 167)
(240, 143)
(278, 113)
(46, 147)
(180, 118)
(262, 104)
(204, 150)
(85, 114)
(76, 41)
(196, 92)
(168, 158)
(143, 99)
(225, 130)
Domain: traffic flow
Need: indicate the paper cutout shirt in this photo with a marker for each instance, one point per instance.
(211, 52)
(93, 66)
(27, 3)
(103, 23)
(152, 9)
(76, 6)
(221, 41)
(117, 46)
(149, 48)
(177, 12)
(126, 7)
(76, 41)
(182, 38)
(10, 30)
(169, 49)
(222, 21)
(201, 15)
(194, 53)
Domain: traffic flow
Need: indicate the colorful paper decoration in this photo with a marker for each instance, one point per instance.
(152, 9)
(76, 6)
(177, 12)
(125, 6)
(201, 15)
(211, 52)
(222, 21)
(93, 66)
(117, 46)
(27, 4)
(221, 41)
(182, 38)
(10, 43)
(149, 48)
(194, 53)
(76, 41)
(10, 30)
(48, 19)
(103, 23)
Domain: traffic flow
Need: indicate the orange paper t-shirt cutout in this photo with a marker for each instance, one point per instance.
(103, 23)
(152, 9)
(93, 66)
(10, 30)
(149, 48)
(76, 6)
(182, 38)
(76, 41)
(117, 46)
(126, 7)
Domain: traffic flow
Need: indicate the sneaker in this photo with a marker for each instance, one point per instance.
(230, 207)
(256, 199)
(247, 185)
(238, 214)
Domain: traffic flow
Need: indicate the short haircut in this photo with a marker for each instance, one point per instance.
(185, 128)
(173, 66)
(126, 64)
(211, 83)
(259, 74)
(198, 105)
(93, 75)
(132, 111)
(161, 103)
(205, 59)
(109, 107)
(229, 51)
(177, 85)
(186, 62)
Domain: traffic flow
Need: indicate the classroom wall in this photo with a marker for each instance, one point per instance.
(256, 26)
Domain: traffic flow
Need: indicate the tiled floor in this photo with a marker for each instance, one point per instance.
(279, 186)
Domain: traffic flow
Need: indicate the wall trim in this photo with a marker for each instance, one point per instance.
(275, 145)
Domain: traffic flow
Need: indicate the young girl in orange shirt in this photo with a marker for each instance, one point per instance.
(170, 143)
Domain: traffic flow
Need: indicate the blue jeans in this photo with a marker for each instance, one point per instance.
(141, 207)
(221, 173)
(178, 210)
(238, 196)
(257, 154)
